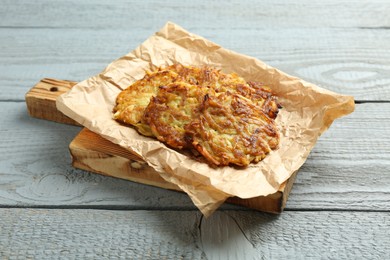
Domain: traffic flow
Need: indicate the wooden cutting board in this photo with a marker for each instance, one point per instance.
(93, 153)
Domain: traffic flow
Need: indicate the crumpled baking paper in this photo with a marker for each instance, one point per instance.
(307, 112)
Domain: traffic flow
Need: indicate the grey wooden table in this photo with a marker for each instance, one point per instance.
(339, 204)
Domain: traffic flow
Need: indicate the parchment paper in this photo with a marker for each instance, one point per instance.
(307, 112)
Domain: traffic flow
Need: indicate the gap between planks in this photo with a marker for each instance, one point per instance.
(178, 208)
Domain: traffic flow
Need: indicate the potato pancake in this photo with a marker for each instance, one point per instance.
(223, 117)
(172, 109)
(132, 102)
(231, 129)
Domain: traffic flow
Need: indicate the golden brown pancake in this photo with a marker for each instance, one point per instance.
(231, 129)
(225, 118)
(172, 109)
(132, 102)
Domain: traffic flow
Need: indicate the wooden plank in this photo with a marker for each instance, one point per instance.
(214, 14)
(93, 153)
(353, 155)
(74, 234)
(41, 98)
(80, 234)
(354, 63)
(347, 169)
(343, 51)
(296, 235)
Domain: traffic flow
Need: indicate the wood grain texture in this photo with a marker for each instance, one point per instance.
(347, 169)
(342, 46)
(91, 234)
(353, 62)
(41, 100)
(93, 153)
(35, 170)
(355, 152)
(338, 208)
(242, 14)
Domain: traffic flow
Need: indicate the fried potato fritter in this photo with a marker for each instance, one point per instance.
(232, 130)
(223, 117)
(132, 102)
(171, 110)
